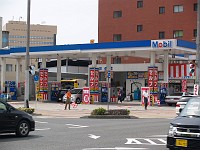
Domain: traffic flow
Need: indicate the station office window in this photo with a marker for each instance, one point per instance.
(161, 10)
(117, 37)
(178, 33)
(139, 4)
(117, 14)
(178, 8)
(9, 67)
(162, 35)
(139, 28)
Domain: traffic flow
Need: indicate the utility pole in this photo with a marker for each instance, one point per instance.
(27, 58)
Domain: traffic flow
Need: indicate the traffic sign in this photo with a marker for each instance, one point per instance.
(36, 78)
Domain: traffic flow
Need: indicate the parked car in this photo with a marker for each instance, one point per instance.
(182, 102)
(13, 120)
(60, 95)
(173, 99)
(76, 96)
(184, 130)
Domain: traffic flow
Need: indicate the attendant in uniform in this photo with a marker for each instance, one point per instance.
(68, 101)
(146, 96)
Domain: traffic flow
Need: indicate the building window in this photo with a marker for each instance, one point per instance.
(178, 33)
(178, 8)
(195, 7)
(117, 37)
(9, 67)
(117, 60)
(139, 28)
(161, 10)
(139, 4)
(117, 14)
(195, 32)
(161, 35)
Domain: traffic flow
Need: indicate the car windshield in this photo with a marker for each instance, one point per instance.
(192, 108)
(76, 91)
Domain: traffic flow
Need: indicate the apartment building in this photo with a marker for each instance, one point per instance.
(130, 20)
(14, 35)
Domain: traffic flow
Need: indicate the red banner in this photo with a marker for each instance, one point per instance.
(153, 79)
(184, 85)
(43, 81)
(94, 80)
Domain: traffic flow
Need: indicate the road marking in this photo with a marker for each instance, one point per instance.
(94, 136)
(146, 141)
(131, 140)
(40, 122)
(161, 140)
(150, 141)
(43, 129)
(116, 148)
(75, 126)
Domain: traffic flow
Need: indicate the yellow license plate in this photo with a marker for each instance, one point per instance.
(182, 143)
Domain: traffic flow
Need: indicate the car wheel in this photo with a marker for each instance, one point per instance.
(169, 104)
(23, 129)
(78, 101)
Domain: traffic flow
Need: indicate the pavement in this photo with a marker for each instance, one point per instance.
(56, 110)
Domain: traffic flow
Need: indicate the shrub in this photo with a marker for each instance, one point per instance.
(99, 111)
(102, 111)
(118, 112)
(28, 110)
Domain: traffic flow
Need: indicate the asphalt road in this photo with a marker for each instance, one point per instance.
(91, 134)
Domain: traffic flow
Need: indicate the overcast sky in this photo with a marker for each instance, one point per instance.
(76, 20)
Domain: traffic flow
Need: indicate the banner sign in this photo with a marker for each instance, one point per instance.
(145, 89)
(153, 79)
(43, 80)
(184, 85)
(94, 80)
(196, 89)
(86, 95)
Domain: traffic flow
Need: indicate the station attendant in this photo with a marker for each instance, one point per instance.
(146, 96)
(68, 96)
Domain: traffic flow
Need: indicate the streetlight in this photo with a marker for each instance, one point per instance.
(26, 95)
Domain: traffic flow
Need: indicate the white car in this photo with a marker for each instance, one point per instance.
(182, 102)
(76, 96)
(173, 99)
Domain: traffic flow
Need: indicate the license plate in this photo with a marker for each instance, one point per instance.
(182, 143)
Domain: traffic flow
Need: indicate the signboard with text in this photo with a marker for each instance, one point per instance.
(86, 95)
(94, 80)
(196, 89)
(153, 79)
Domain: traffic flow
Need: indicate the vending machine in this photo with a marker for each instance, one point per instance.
(104, 94)
(10, 87)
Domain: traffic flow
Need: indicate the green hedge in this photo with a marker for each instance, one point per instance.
(28, 110)
(102, 111)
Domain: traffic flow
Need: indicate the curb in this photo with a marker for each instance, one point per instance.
(110, 117)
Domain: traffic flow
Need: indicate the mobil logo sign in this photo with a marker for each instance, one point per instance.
(162, 44)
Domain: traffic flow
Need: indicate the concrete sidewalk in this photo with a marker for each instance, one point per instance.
(54, 109)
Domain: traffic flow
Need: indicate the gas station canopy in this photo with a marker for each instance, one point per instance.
(128, 48)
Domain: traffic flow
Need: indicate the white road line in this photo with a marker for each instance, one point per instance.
(132, 141)
(150, 141)
(94, 136)
(75, 126)
(43, 129)
(163, 141)
(40, 122)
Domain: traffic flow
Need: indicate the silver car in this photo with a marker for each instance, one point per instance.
(76, 96)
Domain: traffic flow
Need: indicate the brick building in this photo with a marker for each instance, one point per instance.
(128, 20)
